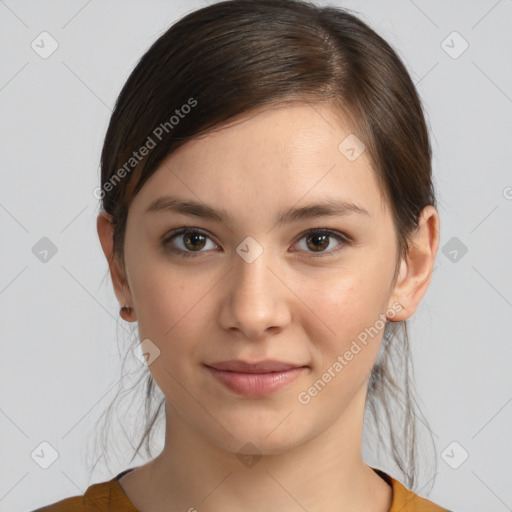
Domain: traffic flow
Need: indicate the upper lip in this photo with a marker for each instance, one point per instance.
(265, 366)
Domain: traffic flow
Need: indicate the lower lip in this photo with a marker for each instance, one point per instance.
(256, 384)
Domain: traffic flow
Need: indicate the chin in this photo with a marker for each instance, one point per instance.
(259, 445)
(266, 436)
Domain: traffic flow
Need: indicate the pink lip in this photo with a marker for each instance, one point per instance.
(255, 379)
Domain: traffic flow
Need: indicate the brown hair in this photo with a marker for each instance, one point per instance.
(235, 57)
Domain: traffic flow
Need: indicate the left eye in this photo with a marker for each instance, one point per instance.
(319, 240)
(193, 240)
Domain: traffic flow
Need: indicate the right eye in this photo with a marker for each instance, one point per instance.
(190, 239)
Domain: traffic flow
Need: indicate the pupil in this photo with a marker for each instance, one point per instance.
(195, 237)
(316, 238)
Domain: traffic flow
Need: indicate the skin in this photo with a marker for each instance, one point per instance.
(288, 304)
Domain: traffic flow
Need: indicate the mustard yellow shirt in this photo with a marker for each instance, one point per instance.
(109, 496)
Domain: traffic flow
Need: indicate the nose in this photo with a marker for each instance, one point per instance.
(257, 299)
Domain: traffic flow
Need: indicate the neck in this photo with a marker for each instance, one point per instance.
(325, 473)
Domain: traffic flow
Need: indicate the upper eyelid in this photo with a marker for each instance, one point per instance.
(186, 229)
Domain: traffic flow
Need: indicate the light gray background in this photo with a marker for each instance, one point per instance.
(60, 360)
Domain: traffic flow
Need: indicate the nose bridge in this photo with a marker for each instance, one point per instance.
(256, 300)
(253, 275)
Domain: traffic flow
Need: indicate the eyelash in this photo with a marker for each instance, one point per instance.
(341, 237)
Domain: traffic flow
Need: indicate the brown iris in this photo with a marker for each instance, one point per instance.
(324, 239)
(197, 241)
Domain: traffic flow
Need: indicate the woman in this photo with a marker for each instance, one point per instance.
(269, 219)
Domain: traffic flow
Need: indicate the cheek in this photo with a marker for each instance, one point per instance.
(171, 309)
(346, 313)
(345, 332)
(169, 306)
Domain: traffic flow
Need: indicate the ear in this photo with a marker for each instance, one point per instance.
(121, 288)
(417, 267)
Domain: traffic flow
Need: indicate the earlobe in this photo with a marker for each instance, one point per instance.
(106, 235)
(417, 267)
(396, 310)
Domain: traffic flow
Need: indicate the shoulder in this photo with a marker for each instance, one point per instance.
(405, 500)
(101, 497)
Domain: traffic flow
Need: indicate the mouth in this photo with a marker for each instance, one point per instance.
(255, 379)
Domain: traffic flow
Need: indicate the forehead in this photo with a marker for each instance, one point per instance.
(281, 155)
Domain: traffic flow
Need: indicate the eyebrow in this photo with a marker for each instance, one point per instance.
(328, 207)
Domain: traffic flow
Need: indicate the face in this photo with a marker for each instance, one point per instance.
(252, 288)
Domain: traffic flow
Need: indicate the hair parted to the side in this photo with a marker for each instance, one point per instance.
(236, 57)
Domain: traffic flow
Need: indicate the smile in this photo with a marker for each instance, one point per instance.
(256, 380)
